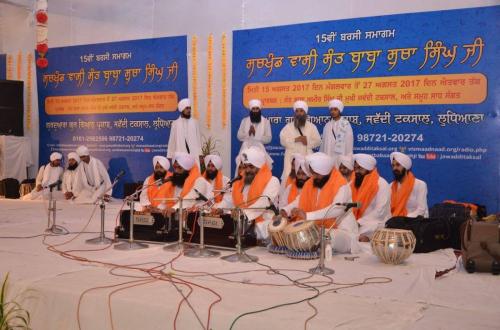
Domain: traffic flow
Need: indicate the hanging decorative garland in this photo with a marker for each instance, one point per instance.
(42, 46)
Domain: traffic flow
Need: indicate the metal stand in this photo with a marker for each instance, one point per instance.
(54, 229)
(320, 268)
(179, 245)
(102, 239)
(131, 244)
(239, 256)
(201, 251)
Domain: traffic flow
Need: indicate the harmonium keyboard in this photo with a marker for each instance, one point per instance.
(154, 227)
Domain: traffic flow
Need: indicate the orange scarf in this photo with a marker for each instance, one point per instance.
(294, 191)
(169, 190)
(217, 185)
(309, 200)
(155, 192)
(399, 198)
(289, 180)
(365, 193)
(257, 187)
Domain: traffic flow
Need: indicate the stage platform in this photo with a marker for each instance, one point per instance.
(68, 284)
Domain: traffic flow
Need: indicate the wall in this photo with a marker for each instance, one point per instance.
(73, 22)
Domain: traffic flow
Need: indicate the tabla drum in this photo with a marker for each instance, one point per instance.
(276, 231)
(393, 246)
(302, 240)
(26, 188)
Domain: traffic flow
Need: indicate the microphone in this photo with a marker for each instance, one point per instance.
(230, 183)
(52, 185)
(349, 205)
(201, 197)
(119, 175)
(272, 207)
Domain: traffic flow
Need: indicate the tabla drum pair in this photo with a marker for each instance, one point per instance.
(298, 240)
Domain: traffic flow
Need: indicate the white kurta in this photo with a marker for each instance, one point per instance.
(378, 212)
(93, 181)
(46, 175)
(287, 140)
(337, 138)
(417, 202)
(283, 195)
(69, 181)
(263, 135)
(185, 131)
(143, 197)
(344, 238)
(225, 181)
(271, 190)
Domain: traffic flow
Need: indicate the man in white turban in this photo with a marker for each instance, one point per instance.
(47, 174)
(93, 179)
(346, 167)
(185, 133)
(289, 192)
(321, 192)
(153, 186)
(70, 177)
(337, 138)
(256, 191)
(299, 136)
(186, 182)
(213, 174)
(373, 192)
(408, 194)
(255, 130)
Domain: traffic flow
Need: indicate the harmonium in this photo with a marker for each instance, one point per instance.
(219, 232)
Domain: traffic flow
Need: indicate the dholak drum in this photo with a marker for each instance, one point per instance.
(276, 231)
(393, 246)
(302, 240)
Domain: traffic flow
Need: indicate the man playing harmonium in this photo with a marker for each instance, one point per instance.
(255, 192)
(151, 191)
(320, 193)
(213, 175)
(186, 182)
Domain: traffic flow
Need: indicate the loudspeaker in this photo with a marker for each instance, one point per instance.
(11, 107)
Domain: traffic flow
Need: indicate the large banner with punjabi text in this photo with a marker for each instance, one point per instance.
(426, 84)
(119, 99)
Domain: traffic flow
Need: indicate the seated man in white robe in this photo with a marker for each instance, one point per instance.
(187, 183)
(152, 187)
(256, 191)
(47, 175)
(299, 136)
(255, 130)
(321, 192)
(185, 133)
(408, 194)
(70, 177)
(292, 191)
(373, 192)
(93, 179)
(214, 176)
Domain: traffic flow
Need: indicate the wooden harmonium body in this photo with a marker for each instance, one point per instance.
(154, 227)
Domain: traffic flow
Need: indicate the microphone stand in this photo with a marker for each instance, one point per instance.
(201, 251)
(239, 255)
(180, 245)
(321, 268)
(54, 229)
(102, 239)
(131, 244)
